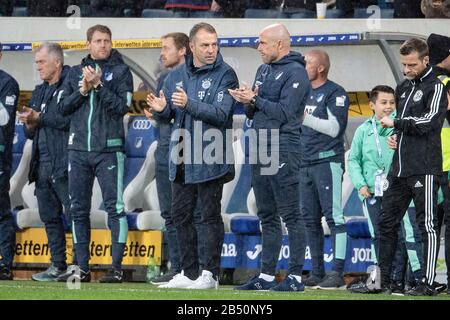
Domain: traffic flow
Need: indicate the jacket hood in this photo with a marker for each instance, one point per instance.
(192, 69)
(293, 56)
(114, 59)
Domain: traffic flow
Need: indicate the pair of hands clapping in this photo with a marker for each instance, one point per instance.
(92, 78)
(157, 104)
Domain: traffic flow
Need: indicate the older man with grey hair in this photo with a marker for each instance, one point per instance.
(48, 169)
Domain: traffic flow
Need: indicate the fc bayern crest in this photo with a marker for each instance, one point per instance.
(206, 84)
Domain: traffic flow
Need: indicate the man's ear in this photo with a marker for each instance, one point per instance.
(426, 60)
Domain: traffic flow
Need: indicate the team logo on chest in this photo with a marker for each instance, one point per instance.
(418, 96)
(319, 97)
(206, 84)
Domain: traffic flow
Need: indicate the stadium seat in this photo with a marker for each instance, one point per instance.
(140, 146)
(205, 14)
(334, 14)
(133, 193)
(303, 14)
(20, 12)
(157, 13)
(127, 13)
(361, 13)
(235, 192)
(262, 14)
(357, 227)
(22, 149)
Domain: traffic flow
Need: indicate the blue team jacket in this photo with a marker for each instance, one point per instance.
(97, 120)
(210, 106)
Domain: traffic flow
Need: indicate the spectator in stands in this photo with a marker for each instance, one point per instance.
(183, 8)
(47, 8)
(435, 8)
(206, 106)
(96, 96)
(322, 170)
(137, 6)
(348, 6)
(439, 46)
(229, 8)
(421, 111)
(368, 163)
(48, 169)
(276, 103)
(107, 8)
(9, 96)
(6, 7)
(407, 9)
(175, 47)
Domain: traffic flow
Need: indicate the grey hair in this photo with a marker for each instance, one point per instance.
(54, 49)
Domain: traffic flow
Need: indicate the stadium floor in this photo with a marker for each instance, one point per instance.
(30, 290)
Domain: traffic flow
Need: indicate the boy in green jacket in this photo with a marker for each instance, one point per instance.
(369, 162)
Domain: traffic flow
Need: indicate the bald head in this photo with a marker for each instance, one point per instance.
(274, 42)
(277, 32)
(317, 66)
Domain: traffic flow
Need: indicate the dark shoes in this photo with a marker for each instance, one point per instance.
(112, 276)
(5, 273)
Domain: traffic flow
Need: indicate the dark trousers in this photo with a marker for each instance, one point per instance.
(423, 190)
(321, 195)
(52, 195)
(277, 197)
(164, 188)
(185, 198)
(7, 228)
(409, 243)
(444, 218)
(108, 168)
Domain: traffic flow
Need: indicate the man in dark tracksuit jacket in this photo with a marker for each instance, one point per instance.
(196, 96)
(276, 106)
(439, 47)
(97, 94)
(322, 170)
(417, 163)
(9, 95)
(49, 131)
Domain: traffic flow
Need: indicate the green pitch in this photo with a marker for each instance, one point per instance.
(141, 291)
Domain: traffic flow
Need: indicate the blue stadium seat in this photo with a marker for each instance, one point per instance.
(18, 144)
(262, 14)
(157, 13)
(141, 134)
(334, 14)
(245, 225)
(127, 13)
(361, 13)
(304, 14)
(20, 12)
(236, 201)
(205, 14)
(85, 10)
(357, 228)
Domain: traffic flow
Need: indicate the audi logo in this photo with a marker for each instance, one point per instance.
(142, 124)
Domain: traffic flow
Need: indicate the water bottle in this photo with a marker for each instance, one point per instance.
(153, 270)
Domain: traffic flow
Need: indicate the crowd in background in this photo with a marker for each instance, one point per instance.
(221, 8)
